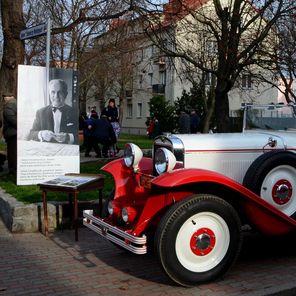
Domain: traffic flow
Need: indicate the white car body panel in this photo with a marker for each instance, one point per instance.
(231, 154)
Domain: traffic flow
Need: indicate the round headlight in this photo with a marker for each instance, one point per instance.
(128, 214)
(165, 160)
(124, 215)
(113, 208)
(110, 208)
(132, 155)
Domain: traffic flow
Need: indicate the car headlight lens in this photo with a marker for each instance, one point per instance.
(132, 155)
(165, 161)
(113, 208)
(110, 208)
(128, 214)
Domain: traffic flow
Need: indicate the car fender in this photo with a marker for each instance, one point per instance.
(266, 217)
(124, 177)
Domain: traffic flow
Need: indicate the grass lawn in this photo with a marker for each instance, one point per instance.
(2, 147)
(32, 193)
(141, 140)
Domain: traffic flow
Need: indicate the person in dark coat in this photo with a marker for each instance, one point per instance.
(184, 123)
(194, 122)
(150, 127)
(10, 130)
(111, 113)
(90, 138)
(104, 134)
(57, 122)
(2, 156)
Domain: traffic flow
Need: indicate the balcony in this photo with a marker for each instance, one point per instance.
(160, 60)
(158, 88)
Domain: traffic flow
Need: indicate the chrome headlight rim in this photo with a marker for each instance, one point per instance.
(128, 214)
(124, 215)
(110, 207)
(129, 155)
(132, 155)
(167, 163)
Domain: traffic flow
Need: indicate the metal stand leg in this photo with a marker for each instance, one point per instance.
(45, 214)
(76, 216)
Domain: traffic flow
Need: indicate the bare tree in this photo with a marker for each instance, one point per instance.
(74, 23)
(282, 57)
(234, 33)
(115, 57)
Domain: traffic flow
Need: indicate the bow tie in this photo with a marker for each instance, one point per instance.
(54, 109)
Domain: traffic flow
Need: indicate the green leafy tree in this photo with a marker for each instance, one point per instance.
(197, 99)
(164, 112)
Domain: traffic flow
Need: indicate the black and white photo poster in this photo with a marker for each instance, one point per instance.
(48, 144)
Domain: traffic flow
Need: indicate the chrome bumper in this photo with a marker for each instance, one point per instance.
(132, 243)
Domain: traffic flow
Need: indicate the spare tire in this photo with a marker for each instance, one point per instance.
(272, 176)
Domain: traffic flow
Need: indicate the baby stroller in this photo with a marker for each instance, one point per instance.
(113, 149)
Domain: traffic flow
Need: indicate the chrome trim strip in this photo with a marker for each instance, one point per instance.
(106, 230)
(172, 143)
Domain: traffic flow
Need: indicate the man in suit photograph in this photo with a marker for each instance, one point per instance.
(57, 122)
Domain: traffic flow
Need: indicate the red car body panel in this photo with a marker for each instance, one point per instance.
(173, 186)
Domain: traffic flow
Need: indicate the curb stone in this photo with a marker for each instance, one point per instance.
(20, 217)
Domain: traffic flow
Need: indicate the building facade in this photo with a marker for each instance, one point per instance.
(139, 70)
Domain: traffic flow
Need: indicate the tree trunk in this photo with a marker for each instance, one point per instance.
(121, 101)
(209, 112)
(13, 47)
(222, 111)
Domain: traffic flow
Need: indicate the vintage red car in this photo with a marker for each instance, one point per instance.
(192, 197)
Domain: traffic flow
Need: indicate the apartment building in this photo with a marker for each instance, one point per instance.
(138, 70)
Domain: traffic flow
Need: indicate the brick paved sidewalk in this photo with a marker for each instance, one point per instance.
(30, 264)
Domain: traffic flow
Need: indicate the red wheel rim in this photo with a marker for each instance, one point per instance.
(202, 241)
(282, 192)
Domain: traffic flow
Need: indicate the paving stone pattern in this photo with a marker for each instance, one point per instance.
(31, 264)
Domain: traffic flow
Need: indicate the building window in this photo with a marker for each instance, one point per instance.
(150, 79)
(158, 88)
(148, 110)
(246, 81)
(140, 81)
(139, 110)
(129, 110)
(155, 50)
(148, 52)
(162, 77)
(128, 93)
(140, 54)
(211, 47)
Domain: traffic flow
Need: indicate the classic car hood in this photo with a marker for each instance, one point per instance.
(236, 141)
(231, 154)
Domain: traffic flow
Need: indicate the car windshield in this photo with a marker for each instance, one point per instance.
(270, 117)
